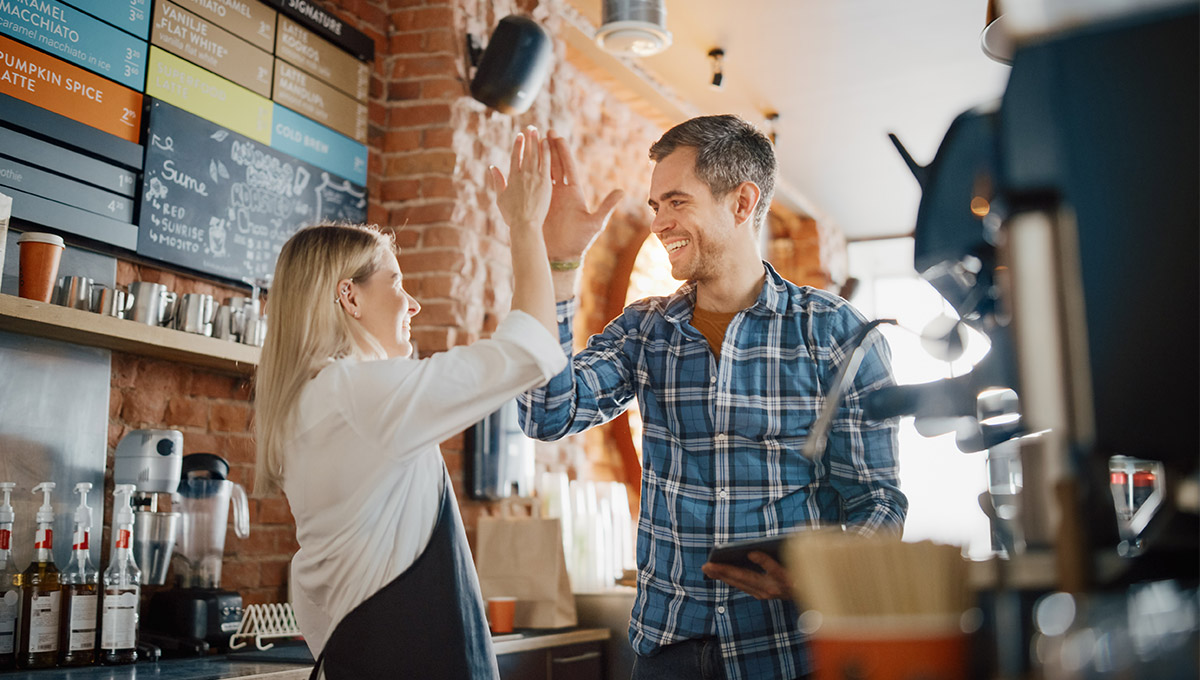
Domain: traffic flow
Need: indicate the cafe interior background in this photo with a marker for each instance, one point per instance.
(828, 82)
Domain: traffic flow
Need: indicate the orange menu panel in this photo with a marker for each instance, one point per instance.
(55, 85)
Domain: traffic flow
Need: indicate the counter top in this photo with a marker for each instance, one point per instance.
(254, 665)
(282, 662)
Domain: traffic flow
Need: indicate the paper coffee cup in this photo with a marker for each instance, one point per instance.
(501, 611)
(40, 254)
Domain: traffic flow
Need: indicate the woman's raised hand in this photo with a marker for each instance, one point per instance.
(524, 197)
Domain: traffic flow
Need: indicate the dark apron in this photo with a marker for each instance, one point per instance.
(427, 623)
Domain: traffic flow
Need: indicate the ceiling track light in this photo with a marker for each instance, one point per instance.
(772, 117)
(717, 57)
(636, 28)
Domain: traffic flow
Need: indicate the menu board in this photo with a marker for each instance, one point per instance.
(301, 47)
(76, 37)
(329, 27)
(57, 86)
(212, 47)
(223, 204)
(250, 20)
(131, 15)
(305, 94)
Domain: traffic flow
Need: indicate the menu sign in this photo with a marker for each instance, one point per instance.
(330, 27)
(301, 47)
(301, 92)
(77, 37)
(131, 15)
(56, 187)
(209, 96)
(250, 20)
(298, 136)
(214, 48)
(221, 203)
(55, 85)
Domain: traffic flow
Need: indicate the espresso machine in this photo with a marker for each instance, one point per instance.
(197, 614)
(1062, 224)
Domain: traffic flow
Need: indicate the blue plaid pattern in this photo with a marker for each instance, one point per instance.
(721, 452)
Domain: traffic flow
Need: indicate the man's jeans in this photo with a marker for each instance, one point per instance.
(688, 660)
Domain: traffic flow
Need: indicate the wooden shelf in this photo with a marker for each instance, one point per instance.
(39, 319)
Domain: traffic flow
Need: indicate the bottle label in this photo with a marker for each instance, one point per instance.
(9, 603)
(118, 627)
(44, 539)
(5, 537)
(43, 622)
(83, 622)
(122, 538)
(81, 540)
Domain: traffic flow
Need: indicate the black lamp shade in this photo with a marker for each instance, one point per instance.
(514, 66)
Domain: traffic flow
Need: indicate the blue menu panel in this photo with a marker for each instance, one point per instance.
(77, 37)
(298, 136)
(131, 15)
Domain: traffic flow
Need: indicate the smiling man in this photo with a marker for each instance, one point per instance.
(729, 373)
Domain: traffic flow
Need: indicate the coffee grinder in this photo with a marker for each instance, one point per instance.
(197, 614)
(151, 460)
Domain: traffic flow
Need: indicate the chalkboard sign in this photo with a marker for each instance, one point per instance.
(221, 203)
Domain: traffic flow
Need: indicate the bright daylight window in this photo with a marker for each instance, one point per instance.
(942, 483)
(651, 276)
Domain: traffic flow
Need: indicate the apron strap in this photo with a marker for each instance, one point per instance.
(316, 671)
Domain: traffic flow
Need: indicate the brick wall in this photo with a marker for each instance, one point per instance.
(430, 145)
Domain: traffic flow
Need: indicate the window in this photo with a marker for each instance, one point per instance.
(942, 483)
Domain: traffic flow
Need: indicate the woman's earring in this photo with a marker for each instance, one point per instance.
(356, 315)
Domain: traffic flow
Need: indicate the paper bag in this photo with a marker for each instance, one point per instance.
(522, 557)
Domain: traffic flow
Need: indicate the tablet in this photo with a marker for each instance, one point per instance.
(737, 553)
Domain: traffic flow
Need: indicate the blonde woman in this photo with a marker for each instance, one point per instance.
(348, 426)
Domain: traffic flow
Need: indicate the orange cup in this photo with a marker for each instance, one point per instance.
(501, 611)
(893, 652)
(40, 255)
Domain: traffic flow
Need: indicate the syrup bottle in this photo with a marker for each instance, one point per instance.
(41, 593)
(81, 592)
(122, 587)
(10, 591)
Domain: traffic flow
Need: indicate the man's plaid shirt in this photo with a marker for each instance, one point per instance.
(721, 452)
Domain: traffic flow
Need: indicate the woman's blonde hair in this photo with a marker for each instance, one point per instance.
(307, 328)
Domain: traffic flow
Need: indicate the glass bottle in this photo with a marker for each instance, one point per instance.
(81, 592)
(41, 593)
(122, 587)
(10, 591)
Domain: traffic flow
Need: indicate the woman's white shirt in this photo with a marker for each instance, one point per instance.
(363, 473)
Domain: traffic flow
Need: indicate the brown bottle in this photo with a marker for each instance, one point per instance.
(41, 594)
(81, 593)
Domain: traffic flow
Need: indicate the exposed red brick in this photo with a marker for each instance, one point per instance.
(445, 237)
(438, 138)
(231, 417)
(443, 40)
(398, 91)
(443, 88)
(424, 66)
(273, 510)
(187, 412)
(420, 115)
(420, 163)
(401, 140)
(400, 189)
